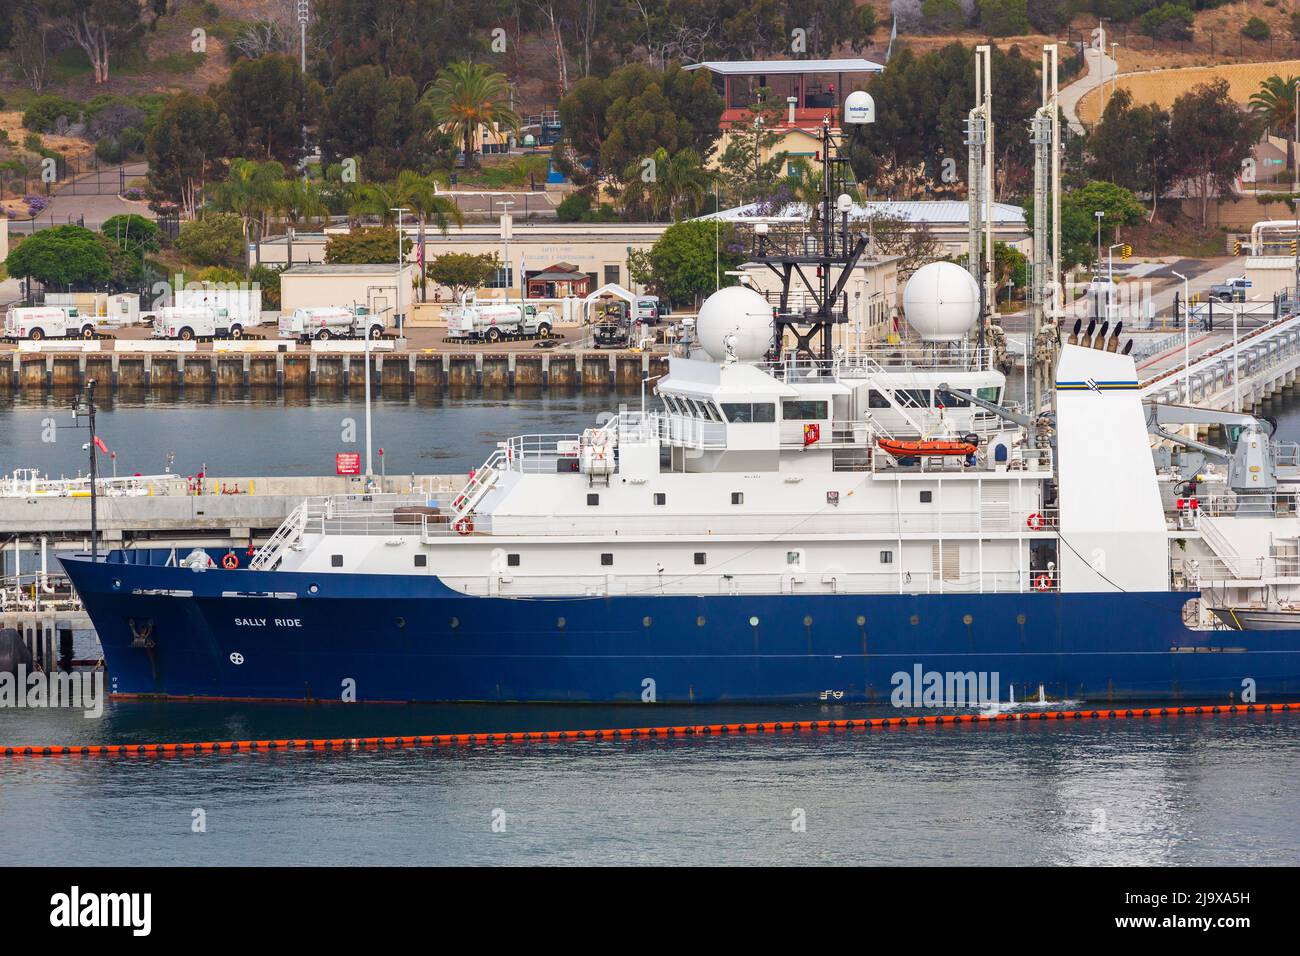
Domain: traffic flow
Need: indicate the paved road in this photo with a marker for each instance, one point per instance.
(1100, 67)
(75, 201)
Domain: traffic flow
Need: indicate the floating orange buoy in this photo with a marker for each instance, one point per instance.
(920, 449)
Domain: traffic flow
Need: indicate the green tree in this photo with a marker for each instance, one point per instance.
(1119, 207)
(667, 186)
(689, 260)
(1168, 21)
(750, 164)
(268, 281)
(1256, 29)
(1004, 18)
(461, 271)
(268, 102)
(942, 16)
(1131, 147)
(373, 118)
(43, 113)
(252, 191)
(365, 246)
(299, 200)
(61, 256)
(215, 240)
(467, 97)
(101, 27)
(186, 149)
(134, 235)
(1214, 135)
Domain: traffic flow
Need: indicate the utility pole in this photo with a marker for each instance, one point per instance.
(304, 14)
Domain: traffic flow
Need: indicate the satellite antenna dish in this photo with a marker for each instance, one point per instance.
(859, 108)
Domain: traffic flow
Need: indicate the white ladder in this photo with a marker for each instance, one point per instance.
(286, 536)
(484, 478)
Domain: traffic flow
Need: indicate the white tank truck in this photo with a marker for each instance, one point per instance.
(330, 322)
(494, 321)
(47, 322)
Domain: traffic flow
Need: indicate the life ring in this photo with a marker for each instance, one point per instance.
(1034, 521)
(463, 526)
(230, 561)
(1043, 583)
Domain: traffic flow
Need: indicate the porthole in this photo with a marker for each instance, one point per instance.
(699, 621)
(967, 619)
(807, 620)
(862, 620)
(1020, 619)
(753, 622)
(915, 620)
(559, 622)
(312, 589)
(646, 622)
(455, 623)
(401, 622)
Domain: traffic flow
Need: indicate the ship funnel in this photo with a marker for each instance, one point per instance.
(1128, 347)
(1086, 341)
(1113, 344)
(1100, 340)
(1074, 336)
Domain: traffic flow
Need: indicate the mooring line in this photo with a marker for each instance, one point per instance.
(627, 733)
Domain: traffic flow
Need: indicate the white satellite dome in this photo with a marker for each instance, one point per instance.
(736, 311)
(941, 302)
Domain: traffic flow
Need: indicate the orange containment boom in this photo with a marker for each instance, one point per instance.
(625, 733)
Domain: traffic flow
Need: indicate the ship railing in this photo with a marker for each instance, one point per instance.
(839, 434)
(1004, 581)
(538, 454)
(879, 525)
(1037, 461)
(1204, 572)
(26, 482)
(1278, 504)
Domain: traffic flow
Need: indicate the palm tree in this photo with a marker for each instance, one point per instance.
(466, 96)
(251, 191)
(420, 195)
(1274, 105)
(299, 200)
(667, 186)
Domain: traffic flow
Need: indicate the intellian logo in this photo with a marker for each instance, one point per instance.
(103, 909)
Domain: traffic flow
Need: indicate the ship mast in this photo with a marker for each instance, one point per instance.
(829, 247)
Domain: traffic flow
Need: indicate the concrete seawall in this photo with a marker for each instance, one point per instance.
(31, 373)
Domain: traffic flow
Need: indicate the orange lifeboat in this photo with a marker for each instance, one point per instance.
(923, 449)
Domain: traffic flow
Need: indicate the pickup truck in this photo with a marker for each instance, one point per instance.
(1234, 290)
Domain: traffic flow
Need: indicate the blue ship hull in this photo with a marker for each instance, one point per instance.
(410, 638)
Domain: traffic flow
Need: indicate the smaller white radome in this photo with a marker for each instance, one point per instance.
(941, 302)
(735, 311)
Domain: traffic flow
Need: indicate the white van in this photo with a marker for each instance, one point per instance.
(46, 322)
(188, 324)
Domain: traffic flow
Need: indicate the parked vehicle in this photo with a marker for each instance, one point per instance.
(47, 322)
(172, 322)
(495, 321)
(646, 309)
(1234, 290)
(330, 322)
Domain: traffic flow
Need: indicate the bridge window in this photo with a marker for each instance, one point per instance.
(927, 497)
(336, 560)
(661, 498)
(990, 394)
(799, 410)
(746, 412)
(701, 557)
(877, 399)
(606, 559)
(737, 497)
(593, 499)
(886, 557)
(512, 560)
(421, 560)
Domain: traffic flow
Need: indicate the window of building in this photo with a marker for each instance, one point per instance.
(886, 557)
(502, 278)
(593, 499)
(737, 497)
(701, 557)
(612, 275)
(661, 498)
(512, 560)
(336, 560)
(421, 560)
(800, 410)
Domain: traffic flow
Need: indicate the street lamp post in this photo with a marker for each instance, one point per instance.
(506, 226)
(1187, 343)
(1099, 214)
(397, 283)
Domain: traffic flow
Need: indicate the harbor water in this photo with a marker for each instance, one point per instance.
(1191, 790)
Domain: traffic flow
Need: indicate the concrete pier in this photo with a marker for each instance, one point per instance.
(35, 372)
